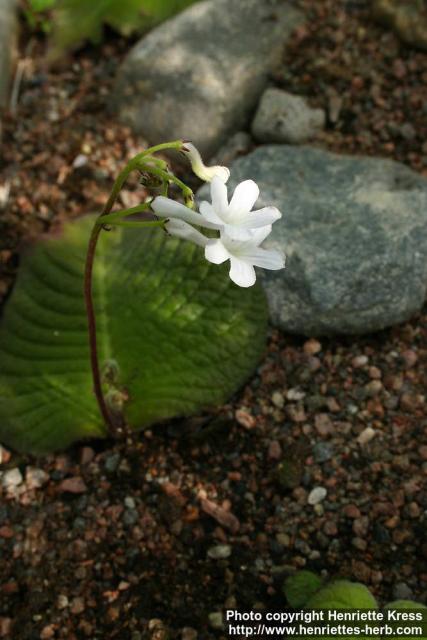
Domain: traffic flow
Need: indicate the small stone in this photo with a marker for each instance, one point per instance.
(80, 161)
(220, 552)
(221, 515)
(216, 620)
(274, 450)
(361, 526)
(130, 502)
(351, 511)
(322, 452)
(360, 544)
(316, 495)
(373, 388)
(87, 454)
(323, 424)
(375, 373)
(295, 395)
(112, 462)
(35, 478)
(5, 456)
(402, 591)
(311, 347)
(6, 532)
(12, 479)
(77, 605)
(359, 361)
(47, 632)
(278, 400)
(410, 358)
(62, 602)
(5, 627)
(366, 436)
(283, 539)
(423, 451)
(330, 528)
(73, 485)
(245, 419)
(407, 131)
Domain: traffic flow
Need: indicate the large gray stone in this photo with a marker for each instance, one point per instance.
(355, 233)
(199, 75)
(8, 28)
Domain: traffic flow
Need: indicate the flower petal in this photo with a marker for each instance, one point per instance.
(234, 232)
(259, 235)
(219, 196)
(260, 218)
(185, 231)
(216, 252)
(244, 197)
(207, 211)
(265, 258)
(167, 208)
(242, 273)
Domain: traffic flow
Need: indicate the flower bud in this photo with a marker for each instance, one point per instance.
(200, 169)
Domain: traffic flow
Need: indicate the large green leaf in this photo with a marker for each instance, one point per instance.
(78, 20)
(177, 333)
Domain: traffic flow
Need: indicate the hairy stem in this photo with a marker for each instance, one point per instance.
(114, 429)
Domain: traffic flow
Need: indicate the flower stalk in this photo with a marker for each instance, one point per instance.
(140, 162)
(240, 229)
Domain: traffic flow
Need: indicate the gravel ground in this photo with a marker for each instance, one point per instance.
(320, 462)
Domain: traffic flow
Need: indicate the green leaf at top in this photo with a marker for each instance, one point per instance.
(78, 20)
(342, 594)
(177, 333)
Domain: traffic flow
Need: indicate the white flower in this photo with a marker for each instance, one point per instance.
(200, 169)
(167, 208)
(244, 255)
(236, 217)
(185, 231)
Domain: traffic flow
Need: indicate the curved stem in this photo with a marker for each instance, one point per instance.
(114, 429)
(91, 320)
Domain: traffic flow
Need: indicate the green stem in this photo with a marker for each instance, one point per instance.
(114, 429)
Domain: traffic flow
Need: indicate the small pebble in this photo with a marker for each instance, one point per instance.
(215, 620)
(77, 605)
(312, 346)
(359, 361)
(220, 552)
(316, 495)
(35, 478)
(366, 435)
(277, 399)
(73, 485)
(402, 591)
(12, 478)
(47, 632)
(274, 450)
(322, 452)
(245, 419)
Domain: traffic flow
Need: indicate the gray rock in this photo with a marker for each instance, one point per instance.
(199, 75)
(354, 230)
(8, 34)
(283, 117)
